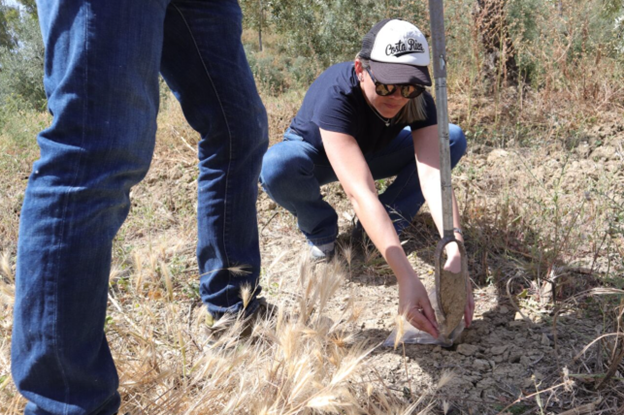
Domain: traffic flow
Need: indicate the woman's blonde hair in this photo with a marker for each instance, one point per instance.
(413, 111)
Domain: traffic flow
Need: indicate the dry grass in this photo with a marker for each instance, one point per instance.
(298, 362)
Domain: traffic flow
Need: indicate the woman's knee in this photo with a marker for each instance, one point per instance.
(283, 170)
(458, 143)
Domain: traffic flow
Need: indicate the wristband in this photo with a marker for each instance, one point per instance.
(459, 231)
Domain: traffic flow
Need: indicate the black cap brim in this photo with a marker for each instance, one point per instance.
(399, 73)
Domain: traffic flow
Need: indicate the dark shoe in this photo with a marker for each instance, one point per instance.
(218, 325)
(264, 311)
(359, 238)
(358, 234)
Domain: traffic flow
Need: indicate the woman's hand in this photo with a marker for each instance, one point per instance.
(453, 264)
(352, 171)
(414, 304)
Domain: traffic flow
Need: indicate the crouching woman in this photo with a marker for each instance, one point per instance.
(363, 121)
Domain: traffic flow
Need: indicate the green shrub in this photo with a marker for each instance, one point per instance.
(21, 72)
(327, 31)
(270, 71)
(303, 71)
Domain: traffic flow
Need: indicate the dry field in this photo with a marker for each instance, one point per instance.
(544, 225)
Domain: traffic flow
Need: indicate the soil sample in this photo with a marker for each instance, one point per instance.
(451, 300)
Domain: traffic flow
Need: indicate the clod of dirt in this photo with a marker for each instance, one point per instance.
(467, 349)
(498, 350)
(481, 365)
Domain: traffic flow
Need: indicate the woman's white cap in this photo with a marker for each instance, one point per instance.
(398, 51)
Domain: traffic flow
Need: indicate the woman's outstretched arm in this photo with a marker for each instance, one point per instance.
(355, 177)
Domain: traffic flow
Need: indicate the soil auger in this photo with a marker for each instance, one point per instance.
(450, 288)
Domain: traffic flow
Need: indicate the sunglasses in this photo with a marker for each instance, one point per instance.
(409, 91)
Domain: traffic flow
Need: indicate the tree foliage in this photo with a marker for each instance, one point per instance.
(21, 71)
(30, 7)
(8, 15)
(332, 31)
(254, 12)
(508, 39)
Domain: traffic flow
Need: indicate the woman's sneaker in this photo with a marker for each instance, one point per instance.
(323, 252)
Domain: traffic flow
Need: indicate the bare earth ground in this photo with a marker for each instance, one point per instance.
(512, 351)
(503, 355)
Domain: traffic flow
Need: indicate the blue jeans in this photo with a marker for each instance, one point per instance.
(293, 171)
(101, 78)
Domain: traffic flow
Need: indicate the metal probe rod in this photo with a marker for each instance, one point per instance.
(436, 9)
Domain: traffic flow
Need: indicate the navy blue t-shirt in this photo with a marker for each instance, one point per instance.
(335, 102)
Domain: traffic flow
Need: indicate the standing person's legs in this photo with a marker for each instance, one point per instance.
(101, 79)
(205, 65)
(403, 198)
(290, 176)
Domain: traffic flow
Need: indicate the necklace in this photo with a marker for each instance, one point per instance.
(384, 120)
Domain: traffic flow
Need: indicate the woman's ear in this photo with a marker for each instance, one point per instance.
(359, 70)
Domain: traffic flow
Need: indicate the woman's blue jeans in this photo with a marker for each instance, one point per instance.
(102, 65)
(293, 172)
